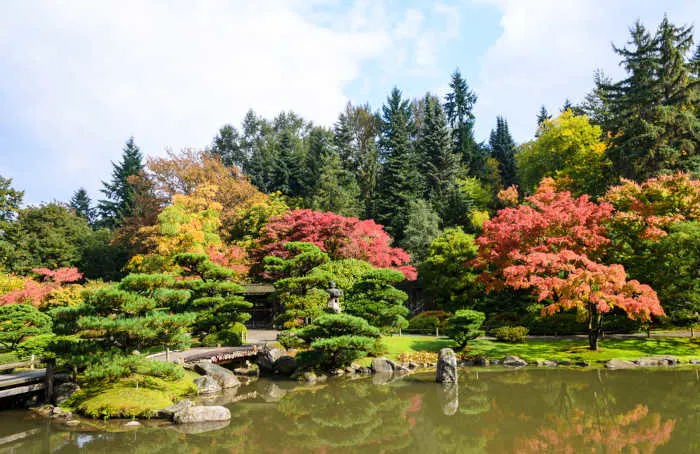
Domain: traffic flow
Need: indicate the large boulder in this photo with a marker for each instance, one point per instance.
(64, 391)
(169, 412)
(383, 366)
(224, 377)
(513, 361)
(446, 366)
(202, 413)
(267, 358)
(286, 365)
(620, 364)
(658, 360)
(207, 385)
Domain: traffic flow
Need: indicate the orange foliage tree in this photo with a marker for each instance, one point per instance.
(36, 291)
(553, 246)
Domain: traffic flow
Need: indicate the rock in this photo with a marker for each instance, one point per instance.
(64, 391)
(412, 365)
(383, 365)
(546, 363)
(202, 413)
(225, 397)
(267, 358)
(58, 412)
(252, 371)
(286, 365)
(224, 377)
(382, 378)
(207, 385)
(44, 410)
(620, 364)
(694, 361)
(169, 412)
(494, 362)
(582, 363)
(446, 367)
(309, 377)
(362, 370)
(448, 395)
(565, 362)
(338, 372)
(202, 427)
(656, 361)
(72, 422)
(513, 361)
(481, 361)
(132, 424)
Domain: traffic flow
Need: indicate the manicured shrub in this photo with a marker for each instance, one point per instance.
(511, 334)
(464, 326)
(429, 320)
(289, 339)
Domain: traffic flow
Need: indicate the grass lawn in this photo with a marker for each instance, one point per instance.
(8, 357)
(558, 350)
(123, 399)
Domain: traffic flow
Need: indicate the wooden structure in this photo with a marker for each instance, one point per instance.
(265, 305)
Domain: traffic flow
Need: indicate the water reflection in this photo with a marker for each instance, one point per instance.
(524, 411)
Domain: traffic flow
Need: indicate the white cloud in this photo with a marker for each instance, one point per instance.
(549, 50)
(80, 76)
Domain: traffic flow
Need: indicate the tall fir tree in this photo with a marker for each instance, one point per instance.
(336, 189)
(439, 164)
(459, 103)
(400, 180)
(503, 150)
(542, 115)
(80, 203)
(119, 192)
(654, 125)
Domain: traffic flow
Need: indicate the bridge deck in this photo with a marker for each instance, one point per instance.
(214, 354)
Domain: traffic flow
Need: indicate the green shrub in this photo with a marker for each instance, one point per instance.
(112, 368)
(511, 334)
(234, 336)
(464, 326)
(289, 339)
(429, 320)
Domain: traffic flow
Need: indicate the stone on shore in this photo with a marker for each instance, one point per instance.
(446, 366)
(286, 365)
(267, 358)
(513, 361)
(224, 377)
(202, 414)
(169, 412)
(207, 385)
(620, 364)
(657, 361)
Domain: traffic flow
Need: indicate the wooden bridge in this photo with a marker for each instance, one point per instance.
(22, 382)
(213, 354)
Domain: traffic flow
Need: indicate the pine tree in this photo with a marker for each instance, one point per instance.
(336, 189)
(119, 192)
(80, 204)
(566, 106)
(226, 145)
(400, 181)
(423, 227)
(654, 125)
(503, 149)
(459, 104)
(320, 146)
(542, 116)
(439, 164)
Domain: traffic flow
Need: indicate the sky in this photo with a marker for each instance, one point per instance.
(79, 77)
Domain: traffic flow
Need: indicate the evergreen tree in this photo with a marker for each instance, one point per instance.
(286, 171)
(439, 164)
(337, 190)
(423, 227)
(80, 204)
(320, 146)
(400, 179)
(227, 147)
(459, 104)
(566, 106)
(503, 149)
(542, 116)
(119, 192)
(654, 125)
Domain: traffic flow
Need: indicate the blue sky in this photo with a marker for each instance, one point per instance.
(78, 77)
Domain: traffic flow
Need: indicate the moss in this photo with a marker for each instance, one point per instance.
(136, 396)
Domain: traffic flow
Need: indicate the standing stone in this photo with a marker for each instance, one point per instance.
(447, 366)
(383, 366)
(267, 358)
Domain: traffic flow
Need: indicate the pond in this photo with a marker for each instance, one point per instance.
(490, 411)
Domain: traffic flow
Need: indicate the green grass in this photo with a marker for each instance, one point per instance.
(8, 357)
(123, 399)
(557, 350)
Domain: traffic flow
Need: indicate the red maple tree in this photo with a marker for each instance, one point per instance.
(35, 291)
(552, 246)
(338, 236)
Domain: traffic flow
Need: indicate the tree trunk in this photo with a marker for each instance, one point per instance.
(595, 326)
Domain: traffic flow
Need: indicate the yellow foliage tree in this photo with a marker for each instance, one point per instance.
(570, 150)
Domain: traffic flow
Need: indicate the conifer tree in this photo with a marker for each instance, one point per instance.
(503, 149)
(226, 145)
(459, 104)
(80, 204)
(400, 180)
(119, 192)
(337, 190)
(542, 115)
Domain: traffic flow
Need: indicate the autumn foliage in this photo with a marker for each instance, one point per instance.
(552, 246)
(35, 291)
(340, 237)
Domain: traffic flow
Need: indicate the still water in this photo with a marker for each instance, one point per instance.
(489, 411)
